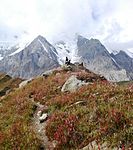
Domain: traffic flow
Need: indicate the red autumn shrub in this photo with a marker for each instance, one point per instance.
(62, 128)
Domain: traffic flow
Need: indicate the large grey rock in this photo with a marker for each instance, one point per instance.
(24, 83)
(72, 84)
(36, 58)
(116, 75)
(48, 73)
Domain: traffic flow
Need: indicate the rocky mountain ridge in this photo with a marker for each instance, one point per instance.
(36, 58)
(125, 61)
(40, 56)
(97, 59)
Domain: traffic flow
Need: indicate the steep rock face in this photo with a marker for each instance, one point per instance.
(125, 61)
(96, 58)
(36, 58)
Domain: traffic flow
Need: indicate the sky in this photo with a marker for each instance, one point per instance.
(110, 21)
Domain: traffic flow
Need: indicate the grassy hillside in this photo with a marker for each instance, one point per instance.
(7, 84)
(99, 112)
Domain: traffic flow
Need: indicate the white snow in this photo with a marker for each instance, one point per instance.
(115, 62)
(53, 51)
(47, 50)
(75, 57)
(62, 52)
(1, 57)
(43, 45)
(115, 52)
(67, 49)
(129, 53)
(19, 47)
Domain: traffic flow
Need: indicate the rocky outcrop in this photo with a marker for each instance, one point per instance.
(24, 83)
(72, 84)
(116, 75)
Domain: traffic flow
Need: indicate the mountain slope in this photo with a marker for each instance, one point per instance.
(96, 116)
(125, 61)
(6, 51)
(37, 57)
(40, 56)
(96, 58)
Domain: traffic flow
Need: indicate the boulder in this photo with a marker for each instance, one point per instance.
(22, 84)
(72, 84)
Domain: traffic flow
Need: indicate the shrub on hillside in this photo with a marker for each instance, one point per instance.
(61, 127)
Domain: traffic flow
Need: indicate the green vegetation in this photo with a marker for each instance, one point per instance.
(100, 112)
(7, 84)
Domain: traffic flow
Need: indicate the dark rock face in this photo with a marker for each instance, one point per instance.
(93, 51)
(36, 58)
(125, 62)
(96, 58)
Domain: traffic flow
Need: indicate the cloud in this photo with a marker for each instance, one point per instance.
(109, 21)
(121, 46)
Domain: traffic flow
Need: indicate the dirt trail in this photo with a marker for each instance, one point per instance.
(39, 127)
